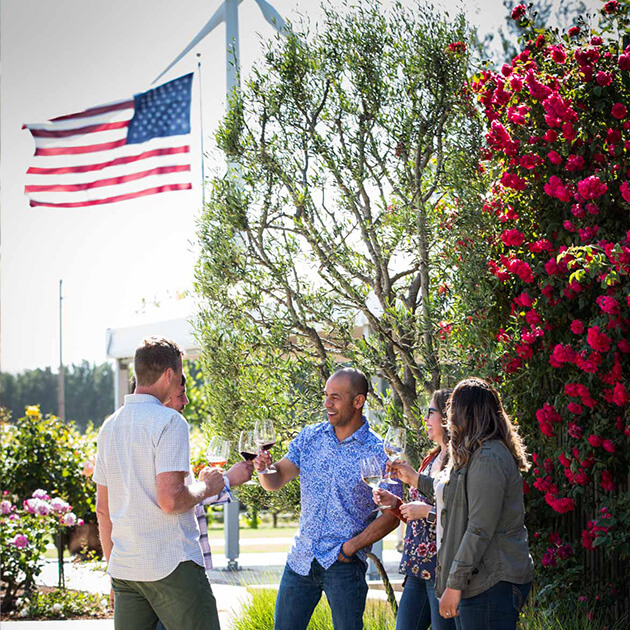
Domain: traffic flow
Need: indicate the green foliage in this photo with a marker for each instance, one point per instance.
(258, 613)
(44, 452)
(89, 392)
(61, 604)
(325, 244)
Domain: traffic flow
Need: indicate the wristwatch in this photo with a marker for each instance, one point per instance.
(431, 516)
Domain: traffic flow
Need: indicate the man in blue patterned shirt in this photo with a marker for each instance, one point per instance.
(338, 523)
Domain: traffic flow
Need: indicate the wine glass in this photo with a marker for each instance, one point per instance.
(248, 449)
(372, 473)
(217, 452)
(265, 436)
(394, 447)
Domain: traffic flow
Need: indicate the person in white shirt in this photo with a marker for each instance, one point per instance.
(145, 507)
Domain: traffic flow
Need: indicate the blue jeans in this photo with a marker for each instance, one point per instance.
(345, 587)
(497, 608)
(419, 608)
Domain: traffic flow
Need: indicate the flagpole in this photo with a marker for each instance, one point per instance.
(61, 398)
(203, 171)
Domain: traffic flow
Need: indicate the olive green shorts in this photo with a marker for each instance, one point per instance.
(182, 600)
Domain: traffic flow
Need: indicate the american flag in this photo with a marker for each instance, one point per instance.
(114, 152)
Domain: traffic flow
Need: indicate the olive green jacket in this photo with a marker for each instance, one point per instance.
(485, 539)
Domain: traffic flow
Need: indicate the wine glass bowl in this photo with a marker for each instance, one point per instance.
(217, 452)
(265, 437)
(394, 447)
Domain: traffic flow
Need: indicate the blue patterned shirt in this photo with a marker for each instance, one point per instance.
(336, 503)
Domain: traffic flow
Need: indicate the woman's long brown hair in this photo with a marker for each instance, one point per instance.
(476, 415)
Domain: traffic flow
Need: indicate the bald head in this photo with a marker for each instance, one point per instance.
(357, 381)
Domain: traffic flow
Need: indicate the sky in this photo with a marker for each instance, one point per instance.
(117, 262)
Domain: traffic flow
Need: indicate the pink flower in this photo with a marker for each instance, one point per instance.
(69, 519)
(20, 541)
(6, 507)
(608, 445)
(574, 430)
(619, 111)
(598, 341)
(624, 189)
(40, 494)
(592, 187)
(59, 505)
(577, 327)
(624, 62)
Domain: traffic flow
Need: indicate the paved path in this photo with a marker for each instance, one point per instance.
(229, 587)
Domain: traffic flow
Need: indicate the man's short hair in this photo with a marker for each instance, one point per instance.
(358, 381)
(153, 357)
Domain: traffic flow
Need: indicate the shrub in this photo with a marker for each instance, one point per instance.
(24, 533)
(44, 452)
(559, 259)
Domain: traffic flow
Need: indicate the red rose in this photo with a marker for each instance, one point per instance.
(607, 482)
(518, 11)
(575, 408)
(619, 111)
(512, 238)
(595, 441)
(603, 78)
(592, 187)
(624, 62)
(554, 157)
(620, 395)
(608, 304)
(624, 189)
(575, 431)
(574, 31)
(575, 163)
(608, 445)
(610, 7)
(577, 327)
(598, 341)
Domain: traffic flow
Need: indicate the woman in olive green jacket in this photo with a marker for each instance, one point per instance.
(484, 570)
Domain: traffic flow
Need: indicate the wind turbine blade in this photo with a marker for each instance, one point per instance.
(212, 23)
(272, 16)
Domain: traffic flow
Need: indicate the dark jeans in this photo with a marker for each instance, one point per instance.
(345, 587)
(497, 608)
(419, 608)
(183, 600)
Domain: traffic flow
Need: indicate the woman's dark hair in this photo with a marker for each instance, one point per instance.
(476, 415)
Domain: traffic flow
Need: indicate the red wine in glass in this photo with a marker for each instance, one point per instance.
(267, 445)
(248, 457)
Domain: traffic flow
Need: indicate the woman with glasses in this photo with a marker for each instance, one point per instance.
(419, 607)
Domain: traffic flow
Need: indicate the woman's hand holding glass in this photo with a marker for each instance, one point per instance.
(415, 510)
(403, 471)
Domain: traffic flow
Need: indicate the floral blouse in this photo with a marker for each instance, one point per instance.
(420, 546)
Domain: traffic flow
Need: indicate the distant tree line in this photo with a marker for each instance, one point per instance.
(89, 392)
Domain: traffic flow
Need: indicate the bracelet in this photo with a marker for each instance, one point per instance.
(346, 556)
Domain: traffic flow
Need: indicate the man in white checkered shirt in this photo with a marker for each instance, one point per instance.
(145, 502)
